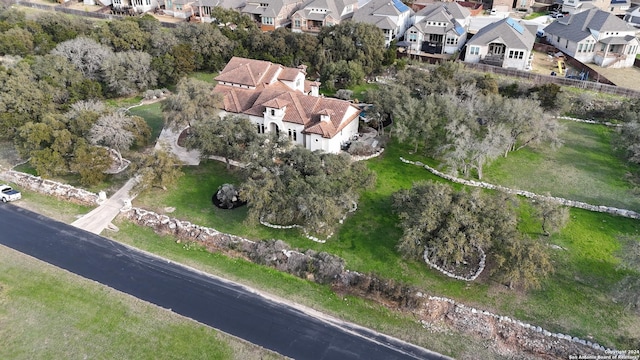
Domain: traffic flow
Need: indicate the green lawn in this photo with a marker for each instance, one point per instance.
(152, 114)
(535, 15)
(49, 313)
(204, 76)
(584, 169)
(585, 274)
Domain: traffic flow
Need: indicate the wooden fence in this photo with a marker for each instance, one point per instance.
(543, 79)
(103, 13)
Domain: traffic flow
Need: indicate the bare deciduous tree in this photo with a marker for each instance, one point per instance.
(86, 54)
(113, 130)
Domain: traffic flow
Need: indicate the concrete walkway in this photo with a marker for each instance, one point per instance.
(99, 218)
(169, 137)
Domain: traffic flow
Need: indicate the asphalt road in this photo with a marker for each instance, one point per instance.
(231, 308)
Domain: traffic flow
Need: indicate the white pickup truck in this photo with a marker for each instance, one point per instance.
(7, 193)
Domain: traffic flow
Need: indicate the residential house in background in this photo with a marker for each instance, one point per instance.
(439, 29)
(505, 43)
(271, 14)
(203, 8)
(595, 36)
(616, 7)
(392, 16)
(632, 16)
(182, 9)
(278, 99)
(135, 6)
(315, 14)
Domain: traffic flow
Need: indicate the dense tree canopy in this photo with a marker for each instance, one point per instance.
(450, 225)
(228, 137)
(191, 103)
(293, 185)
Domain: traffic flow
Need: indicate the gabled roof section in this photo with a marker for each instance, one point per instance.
(289, 74)
(505, 31)
(580, 26)
(375, 10)
(246, 72)
(452, 8)
(272, 8)
(334, 8)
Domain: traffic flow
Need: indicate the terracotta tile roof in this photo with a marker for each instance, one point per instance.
(289, 74)
(301, 109)
(247, 72)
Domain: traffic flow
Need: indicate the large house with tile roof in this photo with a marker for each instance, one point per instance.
(278, 99)
(505, 43)
(595, 36)
(439, 28)
(391, 16)
(314, 14)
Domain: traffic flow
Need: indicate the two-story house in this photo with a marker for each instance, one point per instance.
(315, 14)
(439, 28)
(278, 99)
(595, 36)
(505, 43)
(271, 14)
(392, 16)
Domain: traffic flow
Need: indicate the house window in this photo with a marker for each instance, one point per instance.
(293, 135)
(267, 20)
(148, 2)
(264, 4)
(413, 36)
(558, 39)
(516, 54)
(579, 48)
(474, 50)
(296, 23)
(452, 40)
(178, 7)
(273, 112)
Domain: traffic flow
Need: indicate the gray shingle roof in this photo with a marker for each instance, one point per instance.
(453, 8)
(510, 36)
(335, 8)
(375, 11)
(577, 26)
